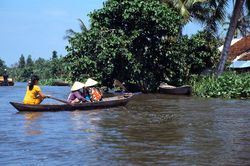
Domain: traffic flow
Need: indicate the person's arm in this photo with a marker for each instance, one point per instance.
(79, 96)
(41, 94)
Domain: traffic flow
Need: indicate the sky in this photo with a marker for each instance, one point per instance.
(38, 27)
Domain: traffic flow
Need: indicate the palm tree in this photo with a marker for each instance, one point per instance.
(230, 33)
(242, 27)
(213, 13)
(209, 13)
(70, 32)
(185, 7)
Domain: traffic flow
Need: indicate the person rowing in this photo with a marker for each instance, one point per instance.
(34, 94)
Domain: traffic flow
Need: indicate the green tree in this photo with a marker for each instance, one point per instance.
(131, 40)
(54, 55)
(202, 52)
(21, 63)
(2, 66)
(29, 62)
(55, 65)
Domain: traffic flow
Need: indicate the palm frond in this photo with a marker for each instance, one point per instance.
(82, 25)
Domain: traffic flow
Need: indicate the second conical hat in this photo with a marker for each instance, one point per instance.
(90, 82)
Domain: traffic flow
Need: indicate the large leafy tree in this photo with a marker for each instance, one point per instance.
(202, 52)
(132, 40)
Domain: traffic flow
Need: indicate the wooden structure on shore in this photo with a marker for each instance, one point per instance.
(10, 82)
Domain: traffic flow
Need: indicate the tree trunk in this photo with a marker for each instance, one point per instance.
(230, 33)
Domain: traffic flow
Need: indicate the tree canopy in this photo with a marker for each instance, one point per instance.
(138, 42)
(128, 40)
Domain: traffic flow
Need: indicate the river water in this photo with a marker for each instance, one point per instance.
(152, 129)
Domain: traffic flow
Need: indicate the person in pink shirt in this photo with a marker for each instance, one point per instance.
(76, 96)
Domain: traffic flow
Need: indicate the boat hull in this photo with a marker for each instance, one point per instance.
(106, 103)
(60, 83)
(182, 90)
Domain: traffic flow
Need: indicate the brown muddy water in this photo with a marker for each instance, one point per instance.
(152, 129)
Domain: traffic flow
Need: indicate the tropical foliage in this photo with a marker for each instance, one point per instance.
(242, 27)
(228, 85)
(45, 69)
(137, 42)
(128, 40)
(202, 52)
(208, 13)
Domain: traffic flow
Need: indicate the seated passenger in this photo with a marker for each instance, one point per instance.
(76, 96)
(95, 93)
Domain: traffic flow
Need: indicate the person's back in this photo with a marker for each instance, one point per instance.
(96, 94)
(33, 93)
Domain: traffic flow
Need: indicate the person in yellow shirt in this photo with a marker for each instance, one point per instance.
(33, 93)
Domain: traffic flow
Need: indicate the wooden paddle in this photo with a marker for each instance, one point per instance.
(63, 101)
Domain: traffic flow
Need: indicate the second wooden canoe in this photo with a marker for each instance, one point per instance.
(182, 90)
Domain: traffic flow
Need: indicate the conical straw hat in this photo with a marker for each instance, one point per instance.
(90, 82)
(77, 85)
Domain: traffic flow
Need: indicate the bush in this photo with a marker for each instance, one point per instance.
(228, 85)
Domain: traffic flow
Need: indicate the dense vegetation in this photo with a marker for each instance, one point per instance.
(47, 70)
(138, 42)
(229, 85)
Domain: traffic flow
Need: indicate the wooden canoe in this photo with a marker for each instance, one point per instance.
(105, 103)
(182, 90)
(60, 83)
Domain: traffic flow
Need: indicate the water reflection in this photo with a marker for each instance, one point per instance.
(84, 121)
(32, 125)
